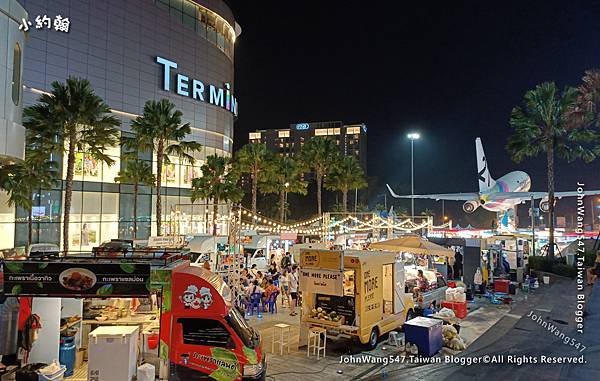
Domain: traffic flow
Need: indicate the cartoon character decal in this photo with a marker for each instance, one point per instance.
(196, 299)
(205, 297)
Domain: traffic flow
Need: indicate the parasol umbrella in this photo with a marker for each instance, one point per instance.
(413, 244)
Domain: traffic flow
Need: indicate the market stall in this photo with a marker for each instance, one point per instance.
(352, 293)
(420, 256)
(182, 304)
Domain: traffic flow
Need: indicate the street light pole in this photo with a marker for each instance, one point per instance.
(412, 136)
(532, 226)
(443, 214)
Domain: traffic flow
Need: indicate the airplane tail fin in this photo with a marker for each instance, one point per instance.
(483, 173)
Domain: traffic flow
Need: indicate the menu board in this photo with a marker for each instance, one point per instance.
(39, 278)
(343, 305)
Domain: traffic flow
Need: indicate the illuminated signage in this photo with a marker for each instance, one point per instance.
(195, 89)
(302, 126)
(364, 128)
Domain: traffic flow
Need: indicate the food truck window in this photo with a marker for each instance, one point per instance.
(206, 332)
(349, 283)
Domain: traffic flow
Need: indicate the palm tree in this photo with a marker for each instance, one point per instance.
(80, 121)
(159, 130)
(24, 178)
(346, 174)
(319, 154)
(254, 160)
(218, 183)
(135, 171)
(543, 125)
(283, 176)
(586, 110)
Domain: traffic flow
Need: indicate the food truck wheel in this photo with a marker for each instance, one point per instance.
(373, 338)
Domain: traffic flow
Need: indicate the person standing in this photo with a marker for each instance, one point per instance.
(294, 290)
(284, 282)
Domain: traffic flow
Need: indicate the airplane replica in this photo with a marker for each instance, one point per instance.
(500, 196)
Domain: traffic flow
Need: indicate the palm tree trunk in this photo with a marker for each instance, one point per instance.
(215, 211)
(550, 158)
(68, 192)
(254, 191)
(281, 205)
(159, 162)
(29, 227)
(319, 184)
(135, 198)
(344, 200)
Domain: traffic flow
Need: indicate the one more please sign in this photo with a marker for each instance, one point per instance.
(326, 282)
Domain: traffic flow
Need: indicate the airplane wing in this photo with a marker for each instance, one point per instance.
(536, 195)
(440, 196)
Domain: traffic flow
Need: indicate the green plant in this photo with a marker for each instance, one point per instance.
(254, 159)
(79, 121)
(319, 154)
(564, 270)
(135, 171)
(345, 174)
(218, 182)
(159, 129)
(544, 124)
(283, 176)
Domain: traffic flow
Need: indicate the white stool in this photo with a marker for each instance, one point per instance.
(281, 330)
(314, 341)
(396, 339)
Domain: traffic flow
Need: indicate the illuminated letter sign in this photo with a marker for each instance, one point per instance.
(195, 89)
(302, 126)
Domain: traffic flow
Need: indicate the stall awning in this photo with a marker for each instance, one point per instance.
(413, 244)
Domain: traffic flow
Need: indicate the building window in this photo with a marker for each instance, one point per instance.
(16, 75)
(352, 130)
(284, 134)
(254, 135)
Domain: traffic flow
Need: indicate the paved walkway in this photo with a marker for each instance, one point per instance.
(296, 365)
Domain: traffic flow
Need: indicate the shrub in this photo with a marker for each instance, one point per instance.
(564, 270)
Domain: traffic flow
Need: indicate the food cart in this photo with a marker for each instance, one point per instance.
(353, 294)
(417, 253)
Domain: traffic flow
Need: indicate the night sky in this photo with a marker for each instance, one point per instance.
(451, 73)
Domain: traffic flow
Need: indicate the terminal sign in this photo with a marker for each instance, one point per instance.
(302, 126)
(193, 88)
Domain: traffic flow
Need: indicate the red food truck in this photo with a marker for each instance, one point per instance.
(208, 339)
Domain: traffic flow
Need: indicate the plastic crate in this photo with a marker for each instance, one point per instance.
(459, 308)
(501, 285)
(57, 376)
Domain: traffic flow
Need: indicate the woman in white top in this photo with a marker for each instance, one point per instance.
(284, 282)
(294, 289)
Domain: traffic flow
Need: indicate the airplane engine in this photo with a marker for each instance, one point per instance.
(470, 206)
(545, 205)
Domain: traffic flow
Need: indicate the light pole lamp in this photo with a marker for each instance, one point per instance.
(412, 136)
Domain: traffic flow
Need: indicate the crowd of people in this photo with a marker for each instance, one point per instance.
(279, 279)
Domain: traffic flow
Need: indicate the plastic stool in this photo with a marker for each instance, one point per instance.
(396, 339)
(283, 341)
(314, 341)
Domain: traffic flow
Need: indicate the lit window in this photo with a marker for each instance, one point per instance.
(321, 132)
(336, 131)
(284, 134)
(352, 130)
(16, 75)
(254, 135)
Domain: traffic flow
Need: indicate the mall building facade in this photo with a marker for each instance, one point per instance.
(131, 52)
